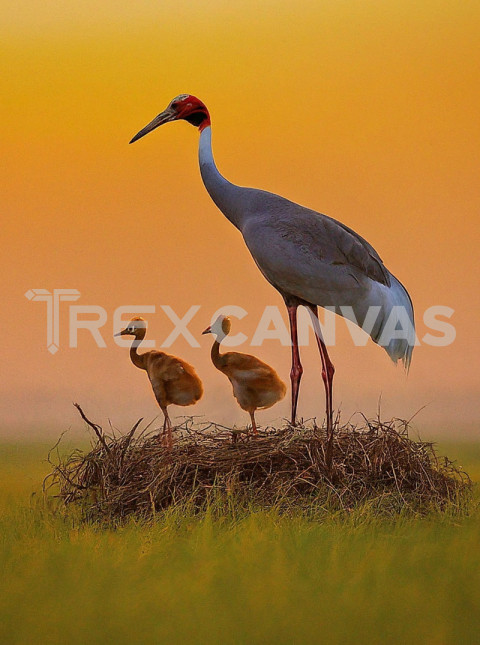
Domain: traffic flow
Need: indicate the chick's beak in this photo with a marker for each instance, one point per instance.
(121, 333)
(208, 330)
(164, 117)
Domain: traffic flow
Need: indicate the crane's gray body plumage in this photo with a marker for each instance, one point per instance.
(311, 258)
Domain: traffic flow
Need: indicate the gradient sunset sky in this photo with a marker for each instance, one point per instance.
(366, 111)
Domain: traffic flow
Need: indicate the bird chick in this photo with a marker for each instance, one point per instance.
(173, 380)
(256, 385)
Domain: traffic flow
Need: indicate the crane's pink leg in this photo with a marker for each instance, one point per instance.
(167, 438)
(164, 431)
(254, 425)
(328, 371)
(297, 369)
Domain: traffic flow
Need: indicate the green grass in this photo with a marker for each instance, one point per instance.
(245, 578)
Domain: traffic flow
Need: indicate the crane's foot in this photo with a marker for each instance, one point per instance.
(165, 440)
(169, 441)
(254, 424)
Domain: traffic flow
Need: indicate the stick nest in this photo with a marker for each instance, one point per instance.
(287, 467)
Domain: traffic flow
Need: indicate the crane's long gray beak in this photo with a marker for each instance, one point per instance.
(208, 330)
(121, 333)
(163, 117)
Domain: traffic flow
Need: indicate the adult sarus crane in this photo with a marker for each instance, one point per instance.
(311, 259)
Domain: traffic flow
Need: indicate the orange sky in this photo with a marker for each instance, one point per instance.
(367, 111)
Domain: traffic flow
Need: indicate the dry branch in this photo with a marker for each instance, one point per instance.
(95, 427)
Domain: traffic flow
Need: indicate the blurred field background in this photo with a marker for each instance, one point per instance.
(243, 578)
(367, 111)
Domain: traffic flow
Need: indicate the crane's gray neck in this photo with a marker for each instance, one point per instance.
(228, 197)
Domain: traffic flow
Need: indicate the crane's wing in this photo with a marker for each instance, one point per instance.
(354, 250)
(163, 367)
(250, 366)
(320, 236)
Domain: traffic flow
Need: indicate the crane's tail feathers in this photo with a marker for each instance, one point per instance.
(400, 350)
(396, 332)
(407, 359)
